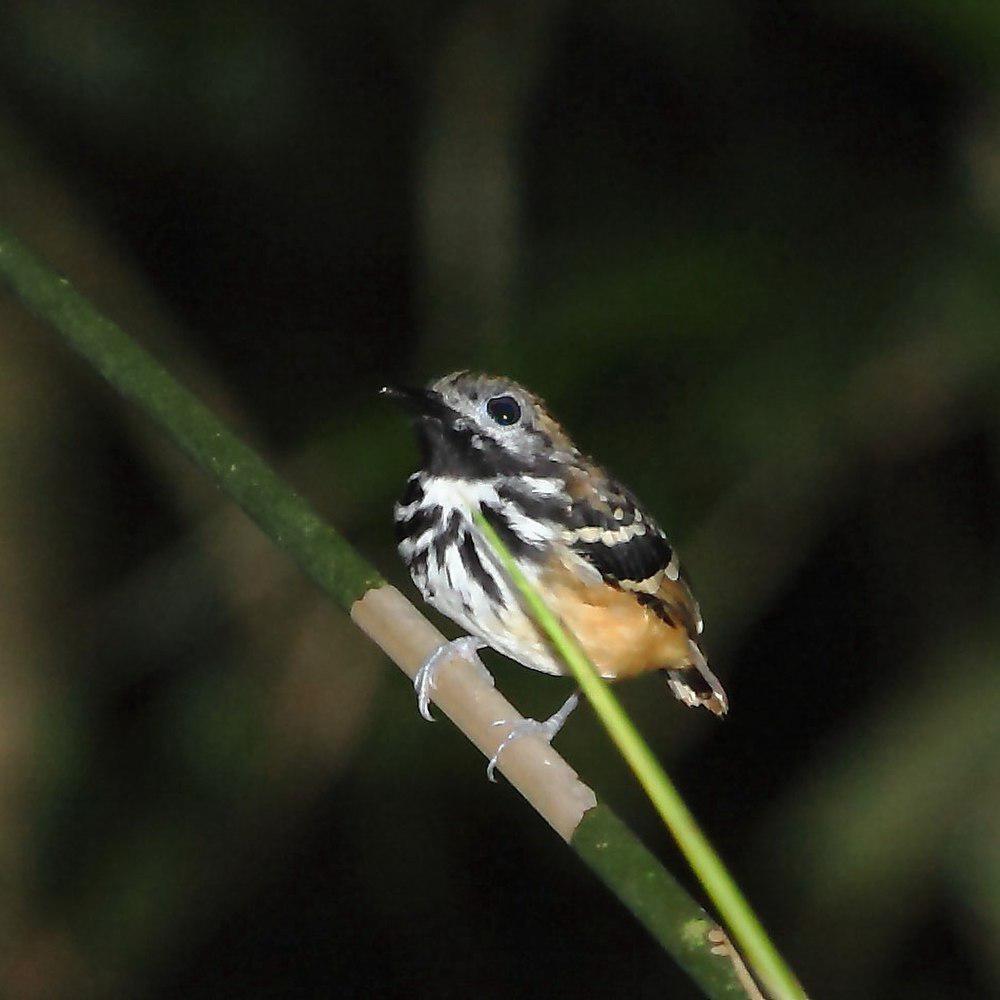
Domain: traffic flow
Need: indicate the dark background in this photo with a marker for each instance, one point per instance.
(747, 252)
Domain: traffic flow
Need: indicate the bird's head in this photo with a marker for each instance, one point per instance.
(480, 426)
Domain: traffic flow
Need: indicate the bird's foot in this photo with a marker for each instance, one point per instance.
(532, 727)
(423, 680)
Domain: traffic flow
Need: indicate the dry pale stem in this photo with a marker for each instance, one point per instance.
(469, 699)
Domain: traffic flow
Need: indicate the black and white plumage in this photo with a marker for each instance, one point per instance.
(598, 558)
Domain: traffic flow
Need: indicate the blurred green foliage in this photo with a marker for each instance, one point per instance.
(749, 255)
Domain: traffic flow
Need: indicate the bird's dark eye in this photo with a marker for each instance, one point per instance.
(504, 410)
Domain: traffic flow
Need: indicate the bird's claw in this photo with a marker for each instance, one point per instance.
(545, 731)
(423, 679)
(526, 727)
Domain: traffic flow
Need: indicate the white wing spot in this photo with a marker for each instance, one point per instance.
(673, 568)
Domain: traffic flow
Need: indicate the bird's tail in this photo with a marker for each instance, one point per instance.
(694, 684)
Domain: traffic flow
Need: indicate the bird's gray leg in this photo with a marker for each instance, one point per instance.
(532, 727)
(423, 680)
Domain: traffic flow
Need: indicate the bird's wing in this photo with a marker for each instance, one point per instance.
(611, 533)
(629, 550)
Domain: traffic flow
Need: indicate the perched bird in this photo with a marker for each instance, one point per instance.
(597, 557)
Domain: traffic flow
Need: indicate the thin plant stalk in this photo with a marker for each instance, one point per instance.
(733, 907)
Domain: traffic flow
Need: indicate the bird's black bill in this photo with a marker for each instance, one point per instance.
(422, 402)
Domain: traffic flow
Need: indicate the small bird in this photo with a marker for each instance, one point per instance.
(600, 561)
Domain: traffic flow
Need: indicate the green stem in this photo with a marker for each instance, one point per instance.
(656, 899)
(674, 919)
(240, 472)
(746, 929)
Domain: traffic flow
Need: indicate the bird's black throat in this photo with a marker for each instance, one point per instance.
(448, 448)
